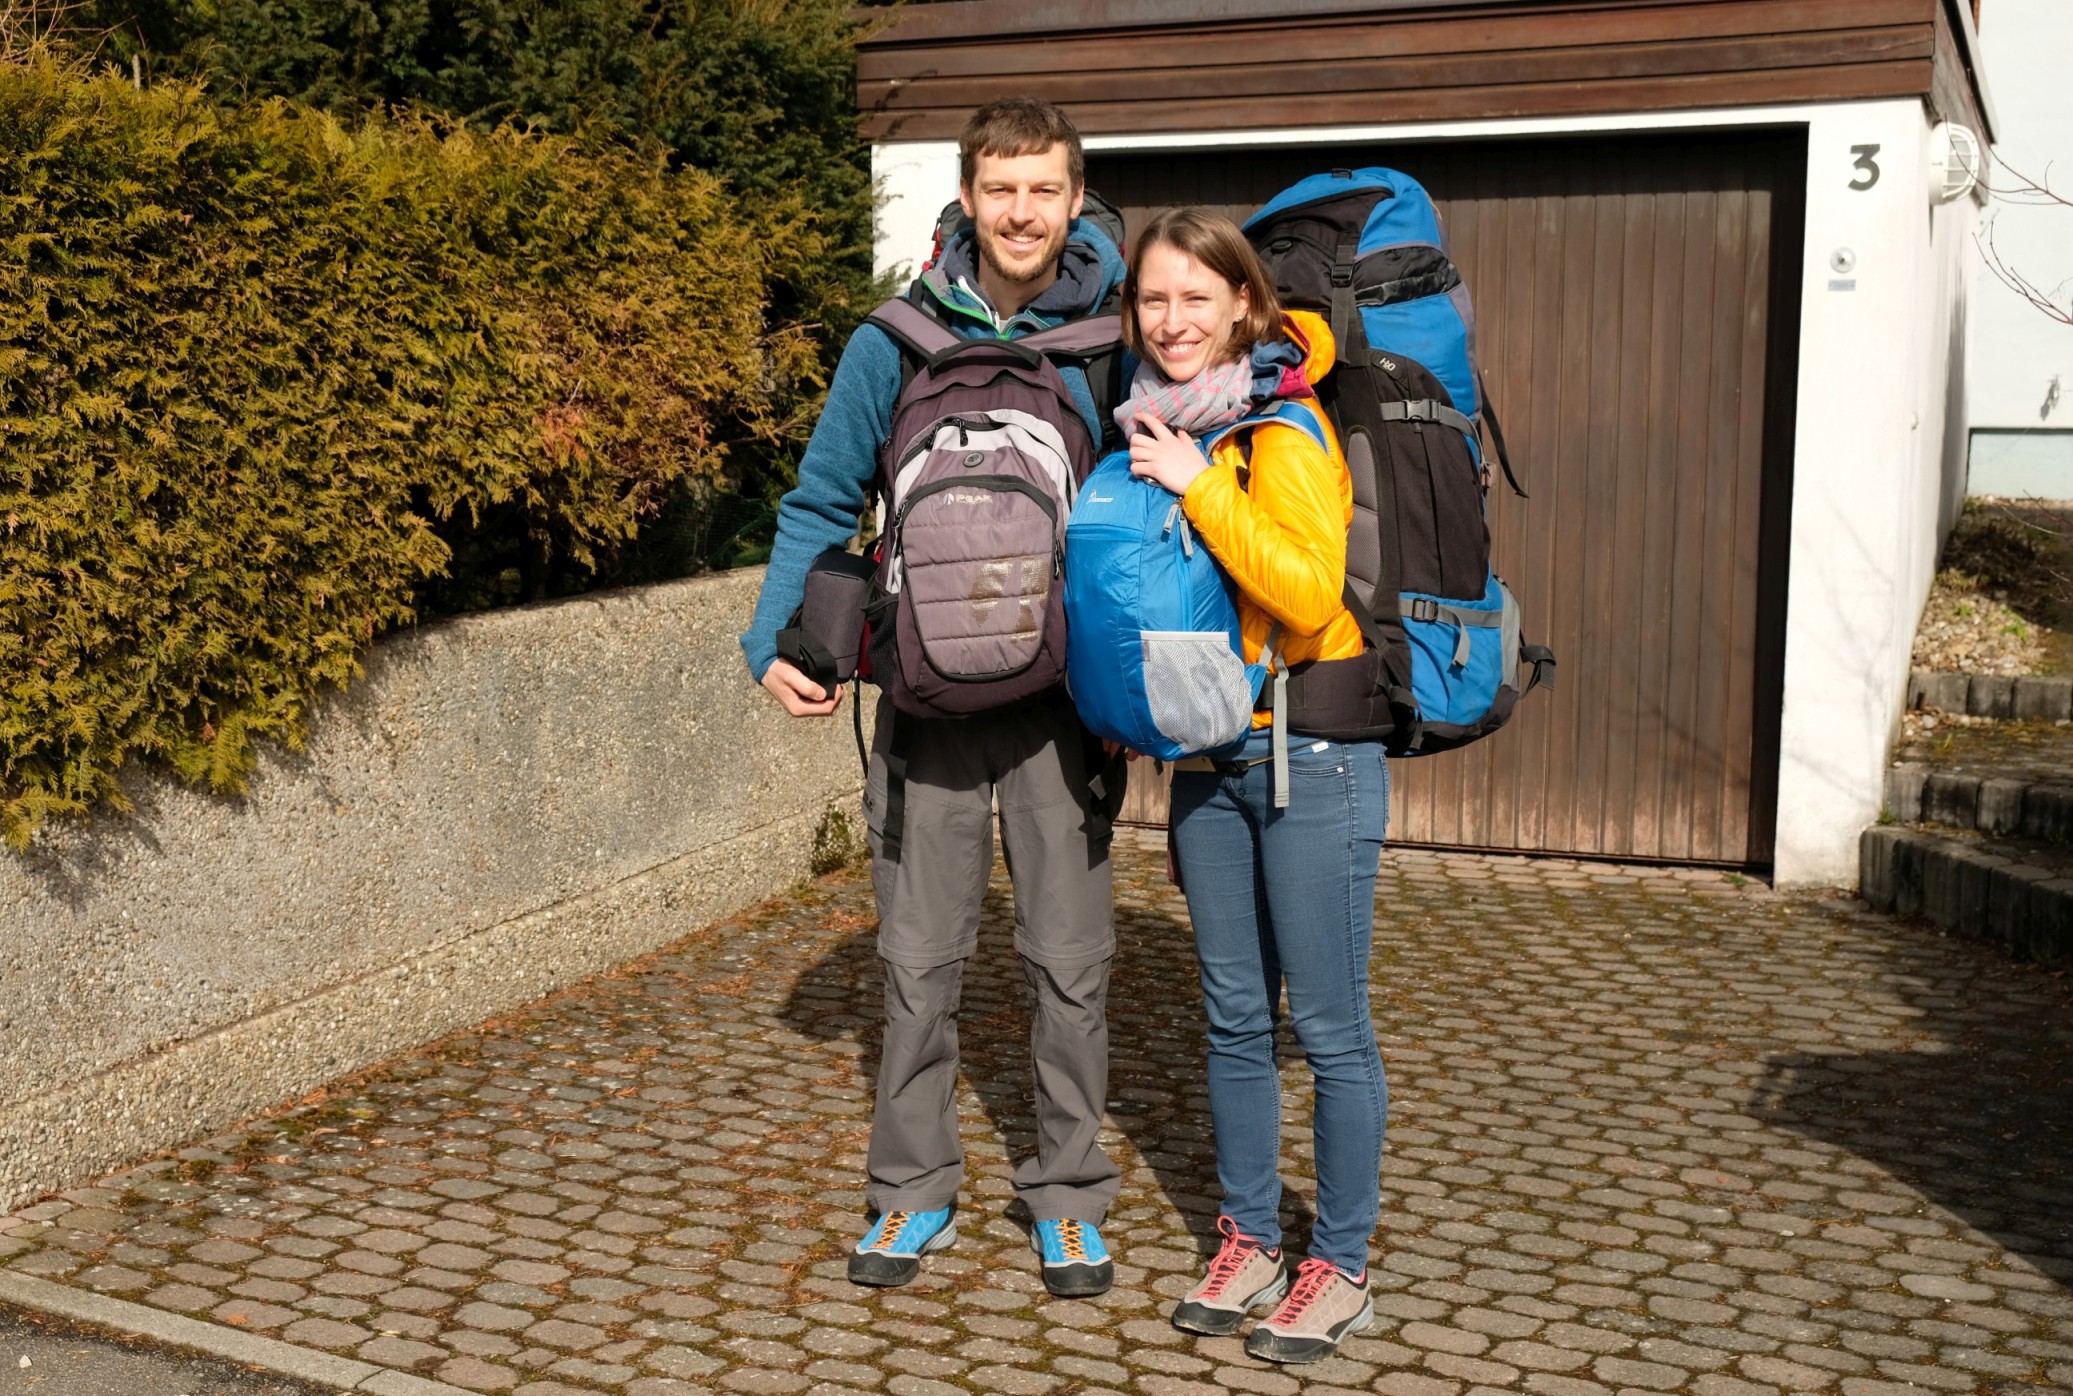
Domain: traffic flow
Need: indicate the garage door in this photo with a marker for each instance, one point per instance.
(1636, 302)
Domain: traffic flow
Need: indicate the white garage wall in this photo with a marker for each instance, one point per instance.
(1875, 467)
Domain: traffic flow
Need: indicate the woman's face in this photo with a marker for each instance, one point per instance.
(1186, 313)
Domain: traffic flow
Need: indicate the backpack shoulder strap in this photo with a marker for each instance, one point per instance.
(1079, 339)
(912, 328)
(1095, 344)
(1287, 411)
(1306, 415)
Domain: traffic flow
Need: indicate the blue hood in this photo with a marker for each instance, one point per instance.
(1089, 269)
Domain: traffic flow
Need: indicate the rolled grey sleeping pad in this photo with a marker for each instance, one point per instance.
(828, 628)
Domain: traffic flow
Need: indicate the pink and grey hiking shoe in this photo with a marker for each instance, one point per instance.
(1242, 1276)
(1325, 1305)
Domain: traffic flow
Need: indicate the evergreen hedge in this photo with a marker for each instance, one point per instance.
(758, 93)
(250, 359)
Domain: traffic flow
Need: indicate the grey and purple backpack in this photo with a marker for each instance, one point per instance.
(984, 460)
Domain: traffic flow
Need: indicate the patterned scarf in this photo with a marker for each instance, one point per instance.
(1203, 403)
(1215, 396)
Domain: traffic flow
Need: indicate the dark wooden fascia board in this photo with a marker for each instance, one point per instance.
(921, 69)
(1366, 36)
(957, 21)
(1514, 68)
(954, 20)
(1219, 113)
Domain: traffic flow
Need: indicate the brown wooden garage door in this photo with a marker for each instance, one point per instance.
(1636, 308)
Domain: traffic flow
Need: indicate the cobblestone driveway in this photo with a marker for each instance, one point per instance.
(1650, 1131)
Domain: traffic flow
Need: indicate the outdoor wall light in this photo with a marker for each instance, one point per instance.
(1955, 162)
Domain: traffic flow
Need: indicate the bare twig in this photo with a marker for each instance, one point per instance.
(2025, 190)
(2054, 302)
(24, 24)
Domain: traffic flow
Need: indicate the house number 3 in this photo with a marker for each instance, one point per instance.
(1866, 167)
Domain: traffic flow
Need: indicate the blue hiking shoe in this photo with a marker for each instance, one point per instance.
(1076, 1263)
(891, 1251)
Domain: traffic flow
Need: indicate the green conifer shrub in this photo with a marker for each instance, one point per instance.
(251, 358)
(758, 93)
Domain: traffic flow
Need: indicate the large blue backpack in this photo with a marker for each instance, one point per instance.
(1446, 660)
(1153, 653)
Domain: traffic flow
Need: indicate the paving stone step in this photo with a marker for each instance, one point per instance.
(2012, 892)
(2021, 806)
(2032, 697)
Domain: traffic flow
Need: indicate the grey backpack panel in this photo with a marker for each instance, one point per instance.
(977, 598)
(986, 452)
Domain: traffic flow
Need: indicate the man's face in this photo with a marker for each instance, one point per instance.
(1020, 205)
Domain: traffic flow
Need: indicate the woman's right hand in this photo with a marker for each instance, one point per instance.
(1164, 456)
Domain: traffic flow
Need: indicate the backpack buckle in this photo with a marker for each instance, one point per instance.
(1342, 266)
(1418, 410)
(1424, 608)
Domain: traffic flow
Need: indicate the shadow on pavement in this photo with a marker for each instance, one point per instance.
(1978, 1117)
(1157, 1088)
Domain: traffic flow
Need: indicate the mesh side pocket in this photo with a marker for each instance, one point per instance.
(1196, 688)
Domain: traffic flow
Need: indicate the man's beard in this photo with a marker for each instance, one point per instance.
(1047, 261)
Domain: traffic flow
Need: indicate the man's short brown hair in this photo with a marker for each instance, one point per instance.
(1018, 126)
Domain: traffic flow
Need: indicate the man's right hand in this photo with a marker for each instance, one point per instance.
(801, 696)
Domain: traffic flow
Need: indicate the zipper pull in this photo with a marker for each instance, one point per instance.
(1171, 514)
(1187, 537)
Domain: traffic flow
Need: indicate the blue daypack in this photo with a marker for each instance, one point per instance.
(1154, 658)
(1446, 660)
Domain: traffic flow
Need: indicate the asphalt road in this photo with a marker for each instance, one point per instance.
(69, 1359)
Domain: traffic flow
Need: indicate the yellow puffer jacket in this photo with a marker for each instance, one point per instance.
(1283, 539)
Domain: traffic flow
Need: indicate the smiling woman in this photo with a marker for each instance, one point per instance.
(1277, 849)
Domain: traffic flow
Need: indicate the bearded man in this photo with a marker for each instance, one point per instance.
(1026, 264)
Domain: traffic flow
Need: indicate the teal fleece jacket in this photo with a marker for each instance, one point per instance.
(841, 460)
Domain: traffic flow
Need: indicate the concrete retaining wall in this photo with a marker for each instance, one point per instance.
(505, 804)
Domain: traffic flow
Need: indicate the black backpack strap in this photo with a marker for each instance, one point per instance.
(1543, 661)
(1104, 371)
(1342, 296)
(856, 718)
(1427, 410)
(1504, 457)
(1410, 724)
(898, 747)
(1106, 386)
(1094, 762)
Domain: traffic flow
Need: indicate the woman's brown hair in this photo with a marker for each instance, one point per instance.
(1215, 242)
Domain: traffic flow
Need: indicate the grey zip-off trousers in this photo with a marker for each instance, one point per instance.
(1033, 760)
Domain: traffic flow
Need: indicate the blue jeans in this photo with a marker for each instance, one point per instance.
(1287, 896)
